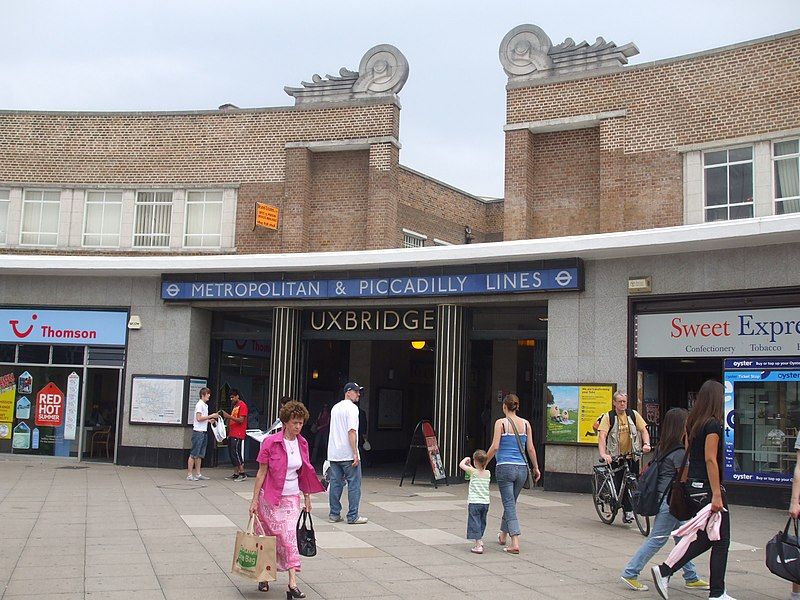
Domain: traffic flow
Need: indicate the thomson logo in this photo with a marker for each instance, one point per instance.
(22, 334)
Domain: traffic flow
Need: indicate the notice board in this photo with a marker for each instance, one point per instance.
(158, 399)
(572, 408)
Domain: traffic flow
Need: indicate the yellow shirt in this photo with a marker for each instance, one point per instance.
(625, 445)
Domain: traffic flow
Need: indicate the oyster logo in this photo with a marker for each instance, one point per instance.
(22, 334)
(173, 289)
(247, 559)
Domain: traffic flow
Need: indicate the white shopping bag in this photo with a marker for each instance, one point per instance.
(218, 427)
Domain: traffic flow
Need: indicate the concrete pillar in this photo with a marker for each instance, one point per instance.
(382, 198)
(284, 368)
(449, 400)
(297, 197)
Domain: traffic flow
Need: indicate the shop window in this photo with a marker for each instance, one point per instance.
(786, 158)
(102, 219)
(203, 220)
(4, 202)
(728, 176)
(40, 218)
(30, 354)
(152, 219)
(8, 353)
(412, 239)
(68, 355)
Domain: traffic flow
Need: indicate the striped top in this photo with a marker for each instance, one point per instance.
(479, 488)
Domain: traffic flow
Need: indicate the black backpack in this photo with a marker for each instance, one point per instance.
(648, 500)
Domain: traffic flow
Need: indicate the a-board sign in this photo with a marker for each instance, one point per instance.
(266, 215)
(572, 408)
(423, 441)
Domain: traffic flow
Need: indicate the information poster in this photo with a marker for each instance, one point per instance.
(157, 400)
(195, 385)
(572, 409)
(71, 417)
(7, 389)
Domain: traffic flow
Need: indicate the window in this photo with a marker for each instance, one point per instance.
(728, 184)
(152, 219)
(786, 158)
(3, 215)
(40, 218)
(102, 219)
(203, 219)
(412, 239)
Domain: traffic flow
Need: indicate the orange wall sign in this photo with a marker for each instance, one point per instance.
(266, 216)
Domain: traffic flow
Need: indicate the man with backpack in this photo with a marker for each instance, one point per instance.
(621, 432)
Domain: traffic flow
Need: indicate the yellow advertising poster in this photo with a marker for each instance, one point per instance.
(572, 409)
(7, 389)
(594, 401)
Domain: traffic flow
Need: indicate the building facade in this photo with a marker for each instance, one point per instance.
(641, 202)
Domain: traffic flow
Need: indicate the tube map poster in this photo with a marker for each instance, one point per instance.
(572, 410)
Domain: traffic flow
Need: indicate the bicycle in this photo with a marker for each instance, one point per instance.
(608, 500)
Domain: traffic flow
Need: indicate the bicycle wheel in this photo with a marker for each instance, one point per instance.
(642, 522)
(603, 498)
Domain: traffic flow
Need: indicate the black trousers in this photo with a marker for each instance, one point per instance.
(235, 451)
(719, 555)
(633, 465)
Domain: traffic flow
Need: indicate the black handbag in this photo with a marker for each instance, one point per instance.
(783, 554)
(680, 505)
(306, 540)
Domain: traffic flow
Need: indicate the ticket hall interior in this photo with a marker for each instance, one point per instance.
(392, 352)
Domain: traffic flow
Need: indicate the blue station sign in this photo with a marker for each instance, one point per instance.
(513, 282)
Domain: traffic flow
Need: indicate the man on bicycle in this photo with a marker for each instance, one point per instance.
(623, 432)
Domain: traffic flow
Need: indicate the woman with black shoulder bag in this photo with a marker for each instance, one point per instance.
(704, 428)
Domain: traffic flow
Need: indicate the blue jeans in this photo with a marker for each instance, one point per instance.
(340, 472)
(476, 520)
(510, 479)
(664, 524)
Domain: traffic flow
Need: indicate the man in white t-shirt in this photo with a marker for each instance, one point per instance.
(200, 435)
(344, 458)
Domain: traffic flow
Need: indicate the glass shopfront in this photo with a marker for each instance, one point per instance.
(60, 398)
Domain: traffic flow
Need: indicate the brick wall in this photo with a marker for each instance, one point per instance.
(162, 148)
(440, 211)
(743, 91)
(565, 183)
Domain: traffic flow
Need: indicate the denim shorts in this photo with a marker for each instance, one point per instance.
(199, 442)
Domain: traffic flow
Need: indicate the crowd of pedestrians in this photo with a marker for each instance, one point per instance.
(286, 478)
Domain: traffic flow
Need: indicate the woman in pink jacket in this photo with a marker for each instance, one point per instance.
(284, 472)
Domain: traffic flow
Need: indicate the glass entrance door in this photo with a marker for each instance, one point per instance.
(99, 431)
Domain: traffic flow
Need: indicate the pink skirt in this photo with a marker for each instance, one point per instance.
(280, 520)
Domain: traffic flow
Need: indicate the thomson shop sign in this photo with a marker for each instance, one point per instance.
(515, 282)
(73, 327)
(763, 332)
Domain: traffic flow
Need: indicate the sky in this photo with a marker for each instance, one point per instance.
(99, 55)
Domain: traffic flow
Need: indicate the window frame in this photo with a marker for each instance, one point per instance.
(727, 164)
(204, 202)
(796, 155)
(102, 220)
(6, 203)
(42, 202)
(408, 234)
(152, 234)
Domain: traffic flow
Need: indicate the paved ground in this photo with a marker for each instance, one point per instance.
(119, 532)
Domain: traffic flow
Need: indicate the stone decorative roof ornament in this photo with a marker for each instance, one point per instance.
(383, 71)
(526, 52)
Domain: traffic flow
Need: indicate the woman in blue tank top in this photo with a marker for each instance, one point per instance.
(512, 468)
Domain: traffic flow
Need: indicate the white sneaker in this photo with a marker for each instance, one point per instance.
(358, 521)
(661, 583)
(724, 596)
(628, 517)
(191, 478)
(201, 478)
